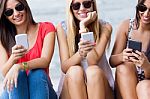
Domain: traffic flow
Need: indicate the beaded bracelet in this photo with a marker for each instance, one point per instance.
(25, 65)
(84, 30)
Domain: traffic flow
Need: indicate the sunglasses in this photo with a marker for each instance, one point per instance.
(86, 4)
(142, 7)
(18, 7)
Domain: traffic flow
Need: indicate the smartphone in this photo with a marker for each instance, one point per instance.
(88, 36)
(22, 39)
(135, 45)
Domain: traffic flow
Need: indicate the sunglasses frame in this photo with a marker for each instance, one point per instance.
(139, 7)
(83, 3)
(19, 7)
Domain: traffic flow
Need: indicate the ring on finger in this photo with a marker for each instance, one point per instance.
(11, 81)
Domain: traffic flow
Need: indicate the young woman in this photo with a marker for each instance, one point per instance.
(133, 66)
(95, 81)
(25, 71)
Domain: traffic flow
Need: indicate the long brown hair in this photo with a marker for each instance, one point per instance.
(73, 27)
(137, 13)
(7, 29)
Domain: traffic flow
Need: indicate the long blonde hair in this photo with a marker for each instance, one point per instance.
(73, 30)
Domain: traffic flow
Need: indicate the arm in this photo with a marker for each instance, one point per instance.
(96, 53)
(47, 53)
(116, 57)
(66, 61)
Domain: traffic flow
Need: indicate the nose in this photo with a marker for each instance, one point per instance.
(82, 7)
(15, 12)
(147, 12)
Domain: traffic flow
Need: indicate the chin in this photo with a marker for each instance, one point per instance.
(146, 22)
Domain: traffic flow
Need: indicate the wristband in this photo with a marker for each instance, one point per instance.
(25, 65)
(84, 30)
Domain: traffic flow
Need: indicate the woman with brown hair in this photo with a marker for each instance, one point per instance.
(25, 70)
(131, 55)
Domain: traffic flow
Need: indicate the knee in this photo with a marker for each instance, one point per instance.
(75, 74)
(124, 69)
(94, 74)
(143, 87)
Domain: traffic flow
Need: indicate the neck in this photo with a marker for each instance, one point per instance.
(24, 28)
(144, 27)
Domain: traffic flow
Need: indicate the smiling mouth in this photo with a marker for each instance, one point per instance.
(83, 15)
(19, 18)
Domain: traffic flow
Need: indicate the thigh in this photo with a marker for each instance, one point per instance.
(21, 92)
(143, 89)
(40, 86)
(126, 80)
(65, 93)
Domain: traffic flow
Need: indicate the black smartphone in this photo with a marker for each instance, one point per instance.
(135, 45)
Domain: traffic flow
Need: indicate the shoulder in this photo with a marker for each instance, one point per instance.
(61, 27)
(123, 27)
(47, 26)
(106, 28)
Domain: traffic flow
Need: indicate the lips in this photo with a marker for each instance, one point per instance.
(146, 18)
(83, 15)
(18, 18)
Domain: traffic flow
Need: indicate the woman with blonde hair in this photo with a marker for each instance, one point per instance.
(95, 80)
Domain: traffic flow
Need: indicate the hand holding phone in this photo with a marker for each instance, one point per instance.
(21, 39)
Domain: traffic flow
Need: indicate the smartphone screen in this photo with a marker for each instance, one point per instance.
(135, 45)
(21, 39)
(88, 36)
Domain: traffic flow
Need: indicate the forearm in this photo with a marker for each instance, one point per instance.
(7, 66)
(146, 67)
(115, 60)
(37, 63)
(93, 57)
(72, 61)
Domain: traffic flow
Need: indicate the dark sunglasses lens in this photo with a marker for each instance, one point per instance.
(87, 4)
(19, 7)
(8, 12)
(142, 8)
(76, 6)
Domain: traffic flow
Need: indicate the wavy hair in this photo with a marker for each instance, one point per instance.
(137, 15)
(73, 27)
(7, 29)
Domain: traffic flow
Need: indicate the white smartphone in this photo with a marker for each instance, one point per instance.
(22, 39)
(88, 36)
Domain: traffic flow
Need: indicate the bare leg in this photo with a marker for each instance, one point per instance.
(76, 83)
(117, 92)
(127, 80)
(65, 92)
(97, 84)
(143, 89)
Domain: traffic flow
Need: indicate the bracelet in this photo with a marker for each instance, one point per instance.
(84, 30)
(25, 65)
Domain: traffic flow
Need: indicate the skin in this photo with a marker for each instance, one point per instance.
(74, 85)
(126, 78)
(8, 65)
